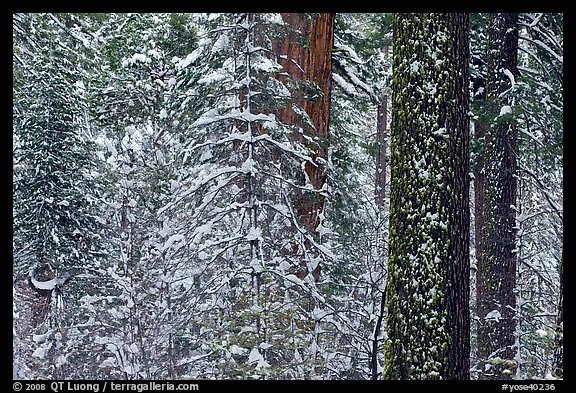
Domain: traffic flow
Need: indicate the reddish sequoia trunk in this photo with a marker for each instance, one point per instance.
(305, 54)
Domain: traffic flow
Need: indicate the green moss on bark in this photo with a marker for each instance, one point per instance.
(426, 127)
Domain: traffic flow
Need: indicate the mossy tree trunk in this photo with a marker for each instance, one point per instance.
(496, 274)
(427, 294)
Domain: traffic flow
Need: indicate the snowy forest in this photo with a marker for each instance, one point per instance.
(326, 196)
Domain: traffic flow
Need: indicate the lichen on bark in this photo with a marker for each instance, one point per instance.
(427, 311)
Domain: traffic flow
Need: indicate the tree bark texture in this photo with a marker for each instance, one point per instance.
(305, 54)
(496, 275)
(559, 348)
(427, 291)
(381, 140)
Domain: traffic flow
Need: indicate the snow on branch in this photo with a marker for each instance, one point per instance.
(348, 88)
(49, 285)
(352, 55)
(349, 73)
(542, 45)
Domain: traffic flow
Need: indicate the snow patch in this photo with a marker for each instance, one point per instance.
(274, 18)
(347, 87)
(256, 357)
(40, 353)
(171, 240)
(236, 350)
(191, 58)
(254, 234)
(50, 284)
(510, 76)
(221, 43)
(493, 315)
(505, 110)
(441, 132)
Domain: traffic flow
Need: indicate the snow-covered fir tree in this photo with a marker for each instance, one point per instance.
(57, 231)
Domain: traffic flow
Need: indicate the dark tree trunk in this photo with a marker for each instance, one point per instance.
(382, 145)
(458, 286)
(305, 54)
(559, 350)
(427, 291)
(381, 141)
(478, 205)
(496, 276)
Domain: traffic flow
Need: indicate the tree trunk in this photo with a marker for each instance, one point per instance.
(427, 292)
(381, 141)
(382, 144)
(559, 347)
(305, 54)
(496, 275)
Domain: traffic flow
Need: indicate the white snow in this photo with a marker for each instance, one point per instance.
(154, 53)
(48, 285)
(174, 185)
(204, 229)
(191, 58)
(40, 338)
(249, 166)
(318, 313)
(505, 110)
(265, 64)
(256, 357)
(265, 346)
(322, 230)
(136, 57)
(274, 18)
(40, 352)
(213, 77)
(221, 43)
(236, 350)
(510, 76)
(171, 240)
(133, 348)
(351, 52)
(347, 87)
(256, 265)
(493, 315)
(442, 132)
(254, 234)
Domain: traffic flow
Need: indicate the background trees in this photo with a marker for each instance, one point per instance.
(518, 93)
